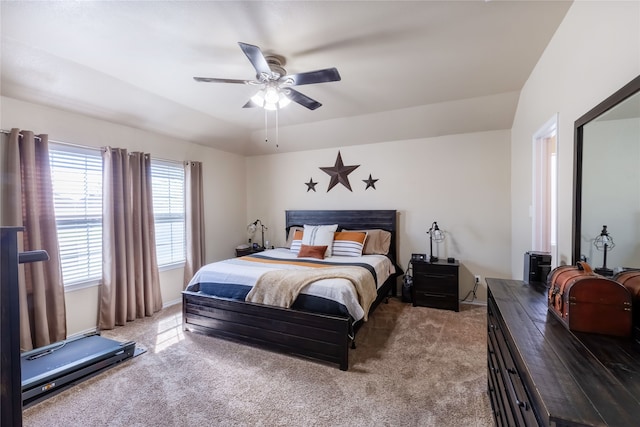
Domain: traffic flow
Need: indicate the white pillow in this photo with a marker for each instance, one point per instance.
(319, 235)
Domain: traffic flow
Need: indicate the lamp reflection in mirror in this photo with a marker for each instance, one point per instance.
(435, 235)
(604, 242)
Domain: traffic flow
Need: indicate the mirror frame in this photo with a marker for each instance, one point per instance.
(619, 96)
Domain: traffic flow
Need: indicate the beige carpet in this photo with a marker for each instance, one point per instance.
(414, 366)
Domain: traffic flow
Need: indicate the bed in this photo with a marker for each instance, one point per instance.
(323, 336)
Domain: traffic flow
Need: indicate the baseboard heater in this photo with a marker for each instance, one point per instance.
(49, 370)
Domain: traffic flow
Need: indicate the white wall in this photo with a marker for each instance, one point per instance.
(461, 181)
(595, 51)
(224, 183)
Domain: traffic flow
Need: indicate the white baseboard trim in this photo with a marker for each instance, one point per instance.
(95, 329)
(89, 331)
(172, 302)
(474, 302)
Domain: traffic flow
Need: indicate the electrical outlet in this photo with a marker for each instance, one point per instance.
(478, 279)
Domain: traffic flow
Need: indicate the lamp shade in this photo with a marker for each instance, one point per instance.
(271, 95)
(435, 235)
(604, 241)
(253, 227)
(270, 98)
(251, 230)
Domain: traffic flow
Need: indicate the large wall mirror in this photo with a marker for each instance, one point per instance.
(607, 181)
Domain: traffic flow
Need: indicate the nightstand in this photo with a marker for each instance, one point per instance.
(248, 251)
(435, 284)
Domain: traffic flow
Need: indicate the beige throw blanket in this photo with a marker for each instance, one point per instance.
(281, 287)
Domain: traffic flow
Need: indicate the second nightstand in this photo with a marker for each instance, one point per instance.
(435, 284)
(247, 251)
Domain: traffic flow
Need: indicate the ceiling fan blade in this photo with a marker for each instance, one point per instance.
(319, 76)
(250, 104)
(256, 58)
(301, 99)
(215, 80)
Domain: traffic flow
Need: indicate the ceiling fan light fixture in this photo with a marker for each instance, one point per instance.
(271, 95)
(270, 98)
(258, 98)
(284, 100)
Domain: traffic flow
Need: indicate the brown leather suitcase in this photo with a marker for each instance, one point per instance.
(630, 279)
(588, 302)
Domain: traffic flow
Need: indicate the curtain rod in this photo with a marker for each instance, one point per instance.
(8, 132)
(70, 144)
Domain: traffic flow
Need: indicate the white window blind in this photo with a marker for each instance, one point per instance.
(76, 175)
(167, 180)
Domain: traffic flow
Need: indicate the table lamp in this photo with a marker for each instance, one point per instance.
(604, 243)
(251, 229)
(435, 235)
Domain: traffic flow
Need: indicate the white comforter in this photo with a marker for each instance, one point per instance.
(243, 272)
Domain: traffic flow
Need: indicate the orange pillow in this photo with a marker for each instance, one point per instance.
(312, 251)
(348, 243)
(296, 241)
(292, 235)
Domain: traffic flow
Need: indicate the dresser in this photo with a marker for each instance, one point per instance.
(541, 374)
(435, 284)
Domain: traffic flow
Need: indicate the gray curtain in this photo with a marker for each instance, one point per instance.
(194, 219)
(27, 200)
(130, 286)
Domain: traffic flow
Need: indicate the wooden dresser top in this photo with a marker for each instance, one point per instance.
(574, 378)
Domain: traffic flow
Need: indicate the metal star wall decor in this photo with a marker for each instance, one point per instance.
(370, 182)
(339, 173)
(311, 185)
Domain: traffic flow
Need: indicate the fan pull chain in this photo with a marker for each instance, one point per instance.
(266, 134)
(266, 128)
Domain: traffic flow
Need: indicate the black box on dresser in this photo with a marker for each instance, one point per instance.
(435, 284)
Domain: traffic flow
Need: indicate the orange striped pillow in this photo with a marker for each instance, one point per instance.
(296, 243)
(292, 231)
(348, 243)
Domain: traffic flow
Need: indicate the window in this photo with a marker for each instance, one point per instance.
(167, 179)
(76, 175)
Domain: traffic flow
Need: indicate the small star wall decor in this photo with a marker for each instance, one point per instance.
(370, 182)
(311, 185)
(339, 173)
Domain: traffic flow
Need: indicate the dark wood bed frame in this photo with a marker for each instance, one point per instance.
(316, 336)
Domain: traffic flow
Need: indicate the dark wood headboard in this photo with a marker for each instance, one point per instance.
(348, 219)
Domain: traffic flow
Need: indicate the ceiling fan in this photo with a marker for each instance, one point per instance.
(276, 85)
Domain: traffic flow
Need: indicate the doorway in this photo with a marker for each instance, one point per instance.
(545, 190)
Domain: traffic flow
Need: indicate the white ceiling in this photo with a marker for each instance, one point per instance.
(454, 66)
